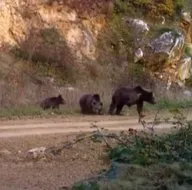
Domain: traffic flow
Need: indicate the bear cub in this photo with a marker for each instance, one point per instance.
(52, 102)
(91, 104)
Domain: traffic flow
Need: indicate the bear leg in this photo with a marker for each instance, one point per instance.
(119, 109)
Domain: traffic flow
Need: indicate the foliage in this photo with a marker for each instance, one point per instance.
(32, 111)
(146, 150)
(149, 8)
(172, 104)
(155, 177)
(88, 186)
(145, 161)
(117, 42)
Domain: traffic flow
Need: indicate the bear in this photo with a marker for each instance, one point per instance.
(52, 102)
(130, 96)
(91, 104)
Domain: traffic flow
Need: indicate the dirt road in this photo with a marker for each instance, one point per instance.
(83, 160)
(68, 125)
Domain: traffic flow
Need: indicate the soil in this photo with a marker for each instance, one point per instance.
(82, 160)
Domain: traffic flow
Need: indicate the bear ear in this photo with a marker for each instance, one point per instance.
(96, 96)
(138, 88)
(59, 96)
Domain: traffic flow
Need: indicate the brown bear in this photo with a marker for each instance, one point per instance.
(130, 96)
(52, 102)
(91, 104)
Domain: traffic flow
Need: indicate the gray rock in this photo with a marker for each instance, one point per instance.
(167, 48)
(187, 93)
(36, 153)
(137, 24)
(5, 152)
(138, 55)
(139, 29)
(168, 43)
(186, 16)
(184, 71)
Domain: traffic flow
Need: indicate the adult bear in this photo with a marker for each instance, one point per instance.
(91, 104)
(52, 102)
(130, 96)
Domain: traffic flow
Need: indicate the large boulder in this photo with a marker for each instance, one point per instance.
(138, 25)
(138, 28)
(165, 49)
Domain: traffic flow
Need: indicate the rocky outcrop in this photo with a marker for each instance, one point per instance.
(58, 32)
(38, 26)
(165, 50)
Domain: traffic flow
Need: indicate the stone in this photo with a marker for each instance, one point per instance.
(165, 50)
(168, 43)
(36, 152)
(5, 152)
(186, 16)
(184, 71)
(138, 55)
(137, 24)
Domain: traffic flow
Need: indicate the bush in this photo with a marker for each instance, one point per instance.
(146, 149)
(144, 161)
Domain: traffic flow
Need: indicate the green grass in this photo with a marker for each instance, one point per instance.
(170, 104)
(148, 162)
(156, 177)
(146, 150)
(34, 111)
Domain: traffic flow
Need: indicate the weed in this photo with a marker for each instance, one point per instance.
(173, 104)
(33, 111)
(150, 162)
(146, 150)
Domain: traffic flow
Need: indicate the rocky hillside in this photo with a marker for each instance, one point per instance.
(69, 40)
(42, 25)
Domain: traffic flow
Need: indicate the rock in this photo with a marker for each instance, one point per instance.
(138, 55)
(187, 93)
(186, 16)
(184, 71)
(169, 82)
(168, 43)
(165, 49)
(181, 84)
(36, 153)
(138, 25)
(70, 88)
(5, 152)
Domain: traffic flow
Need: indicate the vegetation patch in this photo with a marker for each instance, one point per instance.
(148, 161)
(33, 111)
(170, 104)
(146, 150)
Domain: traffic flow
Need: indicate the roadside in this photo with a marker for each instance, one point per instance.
(83, 160)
